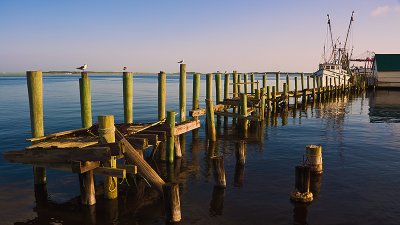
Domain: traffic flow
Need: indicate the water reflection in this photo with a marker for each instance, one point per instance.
(300, 212)
(217, 201)
(384, 106)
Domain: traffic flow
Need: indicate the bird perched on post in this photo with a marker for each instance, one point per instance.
(180, 62)
(125, 68)
(83, 68)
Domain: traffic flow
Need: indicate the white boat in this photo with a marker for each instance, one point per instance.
(335, 69)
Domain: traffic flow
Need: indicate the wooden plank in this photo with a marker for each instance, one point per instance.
(131, 169)
(162, 135)
(152, 139)
(236, 115)
(112, 172)
(143, 167)
(57, 155)
(82, 167)
(70, 142)
(139, 143)
(201, 112)
(57, 134)
(186, 127)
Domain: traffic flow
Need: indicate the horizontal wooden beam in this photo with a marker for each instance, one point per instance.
(58, 155)
(83, 167)
(201, 112)
(131, 169)
(113, 172)
(162, 135)
(139, 143)
(151, 138)
(58, 134)
(186, 127)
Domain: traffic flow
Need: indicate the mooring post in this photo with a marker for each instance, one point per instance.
(277, 80)
(219, 171)
(195, 101)
(287, 83)
(86, 184)
(245, 80)
(171, 136)
(243, 113)
(295, 88)
(128, 96)
(86, 103)
(302, 81)
(226, 95)
(285, 96)
(314, 158)
(314, 87)
(209, 86)
(240, 152)
(35, 91)
(211, 133)
(262, 113)
(308, 82)
(265, 81)
(162, 94)
(269, 96)
(107, 135)
(182, 93)
(274, 98)
(239, 79)
(302, 185)
(235, 85)
(252, 83)
(218, 94)
(172, 202)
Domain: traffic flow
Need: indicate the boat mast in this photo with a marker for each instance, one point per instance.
(330, 32)
(348, 30)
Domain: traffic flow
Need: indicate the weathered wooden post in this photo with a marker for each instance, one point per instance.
(226, 95)
(35, 91)
(182, 93)
(269, 97)
(128, 96)
(243, 113)
(262, 113)
(239, 79)
(314, 158)
(295, 88)
(162, 94)
(86, 184)
(209, 86)
(85, 99)
(245, 81)
(265, 81)
(107, 135)
(218, 94)
(287, 83)
(240, 152)
(274, 98)
(235, 85)
(171, 137)
(285, 96)
(302, 81)
(172, 202)
(252, 83)
(195, 100)
(277, 80)
(211, 133)
(302, 184)
(314, 87)
(308, 82)
(219, 171)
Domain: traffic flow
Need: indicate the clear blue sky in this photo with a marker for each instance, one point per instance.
(210, 35)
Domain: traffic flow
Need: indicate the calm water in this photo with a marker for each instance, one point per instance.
(360, 138)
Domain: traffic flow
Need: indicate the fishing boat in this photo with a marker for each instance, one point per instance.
(336, 65)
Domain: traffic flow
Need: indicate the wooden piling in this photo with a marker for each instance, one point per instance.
(240, 152)
(265, 81)
(107, 135)
(295, 88)
(219, 171)
(269, 97)
(86, 184)
(172, 202)
(235, 85)
(252, 83)
(287, 83)
(262, 104)
(196, 91)
(314, 158)
(226, 95)
(170, 139)
(302, 185)
(209, 86)
(274, 97)
(85, 99)
(243, 104)
(308, 82)
(245, 81)
(211, 133)
(302, 81)
(277, 80)
(182, 93)
(162, 94)
(35, 91)
(218, 94)
(284, 96)
(128, 96)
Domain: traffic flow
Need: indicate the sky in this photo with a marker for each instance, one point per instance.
(149, 36)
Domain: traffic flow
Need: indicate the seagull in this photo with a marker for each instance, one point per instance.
(125, 68)
(180, 62)
(83, 68)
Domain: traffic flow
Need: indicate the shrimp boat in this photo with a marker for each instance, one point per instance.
(336, 65)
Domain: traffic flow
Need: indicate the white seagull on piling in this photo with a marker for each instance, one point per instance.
(83, 68)
(180, 62)
(125, 68)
